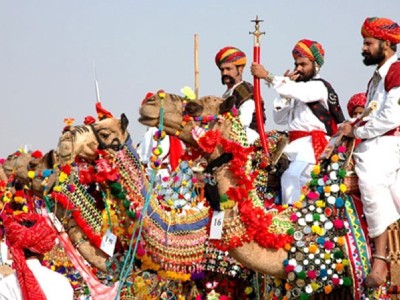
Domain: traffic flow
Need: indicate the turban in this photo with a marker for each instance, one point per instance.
(39, 238)
(230, 55)
(311, 49)
(356, 100)
(381, 29)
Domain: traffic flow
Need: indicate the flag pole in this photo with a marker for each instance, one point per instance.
(196, 65)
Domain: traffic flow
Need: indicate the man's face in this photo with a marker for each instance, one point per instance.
(230, 74)
(305, 68)
(358, 111)
(372, 51)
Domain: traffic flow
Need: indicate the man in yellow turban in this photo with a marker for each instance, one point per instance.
(310, 108)
(377, 159)
(231, 62)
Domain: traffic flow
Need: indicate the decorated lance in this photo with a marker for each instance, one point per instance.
(257, 97)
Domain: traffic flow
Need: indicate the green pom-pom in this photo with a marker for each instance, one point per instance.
(338, 254)
(301, 275)
(304, 296)
(314, 182)
(316, 217)
(223, 198)
(342, 173)
(126, 203)
(116, 187)
(290, 231)
(347, 281)
(131, 214)
(121, 195)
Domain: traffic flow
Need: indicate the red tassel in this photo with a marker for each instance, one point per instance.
(175, 152)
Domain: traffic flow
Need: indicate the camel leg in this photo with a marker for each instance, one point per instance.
(378, 274)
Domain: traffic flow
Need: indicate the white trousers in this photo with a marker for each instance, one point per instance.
(293, 179)
(377, 164)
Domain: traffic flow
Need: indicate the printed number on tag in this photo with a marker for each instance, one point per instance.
(217, 221)
(108, 243)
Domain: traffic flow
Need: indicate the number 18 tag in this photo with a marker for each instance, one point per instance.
(108, 243)
(217, 221)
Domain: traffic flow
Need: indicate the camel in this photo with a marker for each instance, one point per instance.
(185, 117)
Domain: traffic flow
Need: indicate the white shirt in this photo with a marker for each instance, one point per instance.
(145, 149)
(291, 109)
(54, 285)
(387, 116)
(246, 111)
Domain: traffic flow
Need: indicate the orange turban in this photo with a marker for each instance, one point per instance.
(381, 29)
(356, 100)
(230, 55)
(311, 49)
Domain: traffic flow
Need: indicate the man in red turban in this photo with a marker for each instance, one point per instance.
(310, 108)
(377, 159)
(231, 62)
(356, 105)
(29, 237)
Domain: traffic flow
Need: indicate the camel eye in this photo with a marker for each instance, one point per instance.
(104, 135)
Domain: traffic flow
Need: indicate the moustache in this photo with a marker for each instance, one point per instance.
(226, 79)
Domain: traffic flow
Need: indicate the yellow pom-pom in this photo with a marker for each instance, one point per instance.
(57, 188)
(63, 177)
(335, 158)
(31, 174)
(317, 169)
(315, 286)
(343, 188)
(320, 203)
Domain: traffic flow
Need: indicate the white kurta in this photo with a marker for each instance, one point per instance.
(246, 111)
(54, 285)
(291, 109)
(377, 158)
(145, 149)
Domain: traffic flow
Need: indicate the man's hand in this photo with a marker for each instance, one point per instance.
(347, 129)
(292, 75)
(258, 71)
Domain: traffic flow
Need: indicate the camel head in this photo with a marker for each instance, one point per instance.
(19, 164)
(181, 115)
(84, 141)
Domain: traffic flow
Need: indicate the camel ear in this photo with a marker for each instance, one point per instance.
(124, 122)
(227, 105)
(194, 109)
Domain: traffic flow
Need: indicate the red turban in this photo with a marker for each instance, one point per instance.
(381, 29)
(230, 55)
(311, 49)
(39, 238)
(356, 100)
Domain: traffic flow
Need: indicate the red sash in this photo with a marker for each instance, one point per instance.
(318, 140)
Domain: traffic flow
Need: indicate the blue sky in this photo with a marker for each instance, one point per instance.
(48, 49)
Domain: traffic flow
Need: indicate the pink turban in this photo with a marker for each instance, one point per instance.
(356, 100)
(311, 49)
(230, 55)
(381, 29)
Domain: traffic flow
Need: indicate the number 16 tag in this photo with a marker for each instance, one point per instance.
(217, 221)
(108, 243)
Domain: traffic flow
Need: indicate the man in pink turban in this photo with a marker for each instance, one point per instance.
(309, 106)
(377, 157)
(231, 62)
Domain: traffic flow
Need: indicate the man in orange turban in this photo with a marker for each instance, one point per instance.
(377, 159)
(231, 62)
(310, 108)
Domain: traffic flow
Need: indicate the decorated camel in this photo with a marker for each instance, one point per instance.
(54, 178)
(308, 244)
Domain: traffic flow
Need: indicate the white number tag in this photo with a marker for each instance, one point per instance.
(217, 221)
(108, 243)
